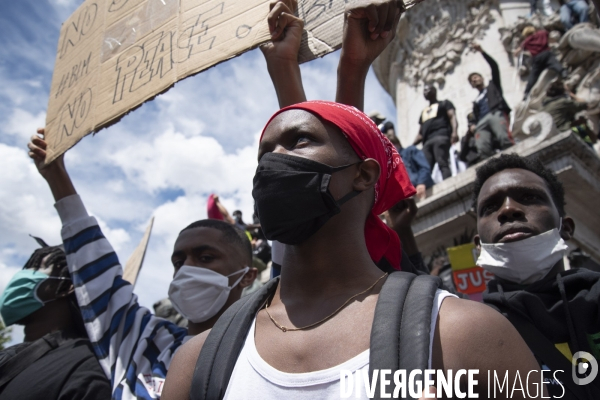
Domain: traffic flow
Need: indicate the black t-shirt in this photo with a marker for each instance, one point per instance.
(434, 120)
(70, 371)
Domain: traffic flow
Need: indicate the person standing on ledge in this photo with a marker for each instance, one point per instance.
(491, 110)
(438, 131)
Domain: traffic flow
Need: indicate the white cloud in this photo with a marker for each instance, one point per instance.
(118, 238)
(6, 272)
(195, 164)
(64, 3)
(25, 205)
(23, 124)
(64, 8)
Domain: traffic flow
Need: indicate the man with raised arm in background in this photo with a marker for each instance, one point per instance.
(490, 110)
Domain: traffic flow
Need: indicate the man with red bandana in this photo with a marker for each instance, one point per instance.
(325, 172)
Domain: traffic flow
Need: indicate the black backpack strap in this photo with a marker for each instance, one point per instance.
(545, 350)
(402, 322)
(20, 361)
(385, 332)
(224, 343)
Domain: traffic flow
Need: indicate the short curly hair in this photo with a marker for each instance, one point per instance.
(231, 233)
(515, 161)
(472, 74)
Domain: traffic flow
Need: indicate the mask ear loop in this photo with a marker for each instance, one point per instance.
(245, 270)
(560, 225)
(37, 286)
(348, 197)
(353, 193)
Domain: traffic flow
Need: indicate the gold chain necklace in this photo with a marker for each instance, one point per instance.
(285, 329)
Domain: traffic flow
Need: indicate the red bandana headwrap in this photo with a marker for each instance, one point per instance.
(393, 184)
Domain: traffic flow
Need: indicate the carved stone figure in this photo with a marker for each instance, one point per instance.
(540, 126)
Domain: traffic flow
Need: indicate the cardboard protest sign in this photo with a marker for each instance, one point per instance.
(135, 261)
(113, 55)
(468, 277)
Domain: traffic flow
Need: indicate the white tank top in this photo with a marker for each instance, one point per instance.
(253, 378)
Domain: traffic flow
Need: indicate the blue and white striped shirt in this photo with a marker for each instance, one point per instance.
(134, 347)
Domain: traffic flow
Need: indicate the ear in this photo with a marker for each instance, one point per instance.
(568, 228)
(367, 175)
(477, 242)
(249, 277)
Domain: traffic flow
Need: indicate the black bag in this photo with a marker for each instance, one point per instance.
(399, 335)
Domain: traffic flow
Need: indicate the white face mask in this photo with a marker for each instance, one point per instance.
(524, 261)
(199, 293)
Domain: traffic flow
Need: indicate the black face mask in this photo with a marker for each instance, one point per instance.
(292, 199)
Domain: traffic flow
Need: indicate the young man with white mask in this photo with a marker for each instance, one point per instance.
(212, 262)
(522, 228)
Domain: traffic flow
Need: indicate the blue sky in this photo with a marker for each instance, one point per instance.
(163, 159)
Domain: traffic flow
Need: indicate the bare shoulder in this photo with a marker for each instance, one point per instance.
(470, 317)
(473, 326)
(472, 335)
(181, 371)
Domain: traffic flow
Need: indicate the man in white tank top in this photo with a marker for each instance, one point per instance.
(319, 320)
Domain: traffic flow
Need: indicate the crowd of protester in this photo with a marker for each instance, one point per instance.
(343, 286)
